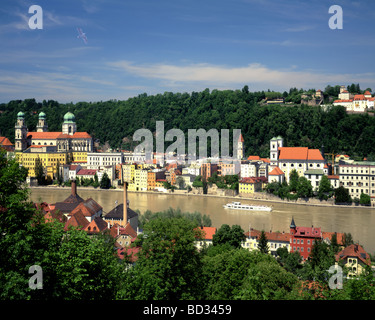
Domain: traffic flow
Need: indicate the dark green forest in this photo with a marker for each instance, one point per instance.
(300, 125)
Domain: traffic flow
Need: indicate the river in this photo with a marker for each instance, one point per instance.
(360, 222)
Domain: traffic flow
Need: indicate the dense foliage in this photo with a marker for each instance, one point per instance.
(300, 125)
(77, 266)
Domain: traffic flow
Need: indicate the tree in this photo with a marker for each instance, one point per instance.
(39, 171)
(105, 183)
(304, 188)
(293, 180)
(233, 236)
(365, 199)
(324, 187)
(347, 239)
(168, 265)
(263, 243)
(342, 195)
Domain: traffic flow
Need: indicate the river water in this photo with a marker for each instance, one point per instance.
(360, 222)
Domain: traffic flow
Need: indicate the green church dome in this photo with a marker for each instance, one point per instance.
(42, 115)
(20, 114)
(69, 117)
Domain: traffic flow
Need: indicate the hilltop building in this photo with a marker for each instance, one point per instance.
(355, 103)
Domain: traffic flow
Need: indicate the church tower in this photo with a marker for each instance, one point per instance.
(69, 126)
(42, 123)
(240, 147)
(275, 144)
(20, 132)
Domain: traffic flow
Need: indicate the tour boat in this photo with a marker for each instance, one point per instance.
(239, 206)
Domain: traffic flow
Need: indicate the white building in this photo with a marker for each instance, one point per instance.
(95, 160)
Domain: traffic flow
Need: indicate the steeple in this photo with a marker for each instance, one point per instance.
(292, 224)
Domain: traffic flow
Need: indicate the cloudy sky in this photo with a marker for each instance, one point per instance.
(155, 46)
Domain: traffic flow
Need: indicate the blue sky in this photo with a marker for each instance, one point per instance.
(155, 46)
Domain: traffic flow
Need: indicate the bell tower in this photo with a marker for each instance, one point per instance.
(20, 132)
(42, 123)
(275, 144)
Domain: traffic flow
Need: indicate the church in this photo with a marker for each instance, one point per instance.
(66, 140)
(52, 148)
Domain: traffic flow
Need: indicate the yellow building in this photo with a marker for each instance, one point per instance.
(128, 172)
(79, 157)
(48, 157)
(140, 180)
(250, 185)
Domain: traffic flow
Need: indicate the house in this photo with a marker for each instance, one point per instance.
(302, 239)
(275, 240)
(356, 103)
(123, 235)
(276, 175)
(355, 258)
(250, 185)
(6, 144)
(208, 233)
(86, 174)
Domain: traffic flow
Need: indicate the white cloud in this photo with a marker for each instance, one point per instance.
(255, 74)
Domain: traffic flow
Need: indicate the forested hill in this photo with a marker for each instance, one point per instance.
(116, 121)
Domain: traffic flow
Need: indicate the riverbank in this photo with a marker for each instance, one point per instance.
(300, 202)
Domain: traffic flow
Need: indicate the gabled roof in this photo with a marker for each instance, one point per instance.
(276, 172)
(354, 250)
(88, 208)
(77, 220)
(314, 154)
(4, 141)
(253, 158)
(117, 213)
(96, 225)
(240, 138)
(328, 236)
(271, 236)
(118, 230)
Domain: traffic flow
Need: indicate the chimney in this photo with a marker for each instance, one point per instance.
(74, 188)
(125, 212)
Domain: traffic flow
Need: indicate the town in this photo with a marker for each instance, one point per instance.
(71, 158)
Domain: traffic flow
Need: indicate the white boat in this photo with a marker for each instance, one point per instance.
(239, 206)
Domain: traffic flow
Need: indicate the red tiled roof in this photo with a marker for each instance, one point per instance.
(328, 235)
(314, 154)
(43, 135)
(82, 135)
(299, 153)
(333, 177)
(354, 250)
(77, 220)
(295, 153)
(96, 225)
(276, 172)
(251, 180)
(4, 141)
(309, 232)
(207, 232)
(85, 172)
(240, 138)
(271, 236)
(359, 97)
(253, 158)
(88, 208)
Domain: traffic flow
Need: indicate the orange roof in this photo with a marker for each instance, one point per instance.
(367, 93)
(5, 141)
(240, 139)
(328, 235)
(314, 154)
(208, 232)
(299, 153)
(333, 177)
(276, 172)
(81, 135)
(43, 135)
(359, 97)
(253, 158)
(295, 153)
(348, 100)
